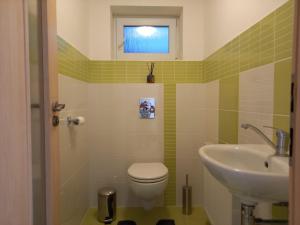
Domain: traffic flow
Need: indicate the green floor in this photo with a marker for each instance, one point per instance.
(142, 217)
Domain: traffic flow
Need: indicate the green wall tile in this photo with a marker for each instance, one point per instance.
(267, 39)
(169, 74)
(170, 141)
(284, 31)
(136, 72)
(280, 212)
(159, 72)
(194, 71)
(71, 62)
(119, 69)
(229, 93)
(282, 85)
(107, 71)
(228, 126)
(95, 71)
(234, 58)
(249, 48)
(180, 72)
(282, 122)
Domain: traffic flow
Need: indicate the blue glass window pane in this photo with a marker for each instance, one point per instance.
(146, 39)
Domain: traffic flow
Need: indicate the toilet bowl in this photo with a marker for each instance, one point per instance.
(148, 182)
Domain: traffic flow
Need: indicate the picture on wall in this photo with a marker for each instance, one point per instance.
(147, 108)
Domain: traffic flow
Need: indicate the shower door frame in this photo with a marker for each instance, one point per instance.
(16, 206)
(294, 200)
(15, 135)
(50, 97)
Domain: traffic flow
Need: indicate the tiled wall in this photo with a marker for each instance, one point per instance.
(136, 71)
(254, 72)
(196, 125)
(117, 137)
(218, 201)
(170, 141)
(268, 41)
(189, 136)
(256, 88)
(72, 63)
(74, 157)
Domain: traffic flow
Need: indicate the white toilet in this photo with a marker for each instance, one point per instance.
(148, 182)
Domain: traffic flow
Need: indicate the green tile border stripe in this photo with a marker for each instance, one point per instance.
(136, 71)
(268, 41)
(170, 141)
(282, 85)
(72, 62)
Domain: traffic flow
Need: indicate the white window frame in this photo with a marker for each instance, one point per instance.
(119, 42)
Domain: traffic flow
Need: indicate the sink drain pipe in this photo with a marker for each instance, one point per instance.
(247, 217)
(247, 214)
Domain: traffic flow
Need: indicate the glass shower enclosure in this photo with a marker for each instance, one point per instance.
(37, 120)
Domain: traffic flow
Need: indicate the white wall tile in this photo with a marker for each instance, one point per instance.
(256, 90)
(212, 112)
(256, 103)
(118, 137)
(74, 197)
(194, 95)
(74, 156)
(259, 120)
(193, 130)
(212, 126)
(212, 95)
(217, 201)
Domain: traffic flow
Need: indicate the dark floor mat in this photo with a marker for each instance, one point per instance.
(126, 222)
(165, 222)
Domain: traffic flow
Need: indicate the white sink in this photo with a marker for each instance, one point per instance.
(242, 169)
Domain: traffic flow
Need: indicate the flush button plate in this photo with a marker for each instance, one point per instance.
(147, 108)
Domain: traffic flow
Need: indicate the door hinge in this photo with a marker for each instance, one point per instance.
(291, 146)
(292, 97)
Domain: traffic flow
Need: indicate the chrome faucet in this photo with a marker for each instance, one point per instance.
(281, 147)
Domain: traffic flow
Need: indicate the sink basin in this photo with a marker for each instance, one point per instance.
(248, 171)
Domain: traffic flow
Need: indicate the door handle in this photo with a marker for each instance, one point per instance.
(57, 107)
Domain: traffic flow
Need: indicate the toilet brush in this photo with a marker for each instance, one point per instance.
(187, 197)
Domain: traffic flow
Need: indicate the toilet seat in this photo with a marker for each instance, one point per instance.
(148, 172)
(148, 180)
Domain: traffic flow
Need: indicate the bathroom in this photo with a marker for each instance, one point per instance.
(230, 69)
(227, 67)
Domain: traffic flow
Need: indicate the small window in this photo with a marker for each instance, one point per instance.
(149, 39)
(146, 39)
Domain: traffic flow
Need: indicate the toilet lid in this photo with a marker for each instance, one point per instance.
(147, 171)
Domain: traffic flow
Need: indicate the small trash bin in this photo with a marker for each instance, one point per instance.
(107, 201)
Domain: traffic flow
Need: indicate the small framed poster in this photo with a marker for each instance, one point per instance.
(147, 108)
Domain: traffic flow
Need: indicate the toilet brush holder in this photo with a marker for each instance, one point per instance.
(187, 197)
